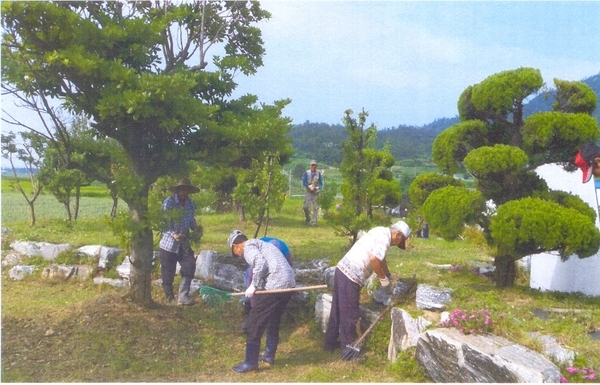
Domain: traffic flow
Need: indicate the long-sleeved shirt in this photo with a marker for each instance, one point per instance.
(181, 225)
(268, 264)
(314, 178)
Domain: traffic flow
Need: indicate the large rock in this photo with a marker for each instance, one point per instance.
(405, 332)
(553, 350)
(45, 250)
(64, 272)
(19, 272)
(106, 255)
(432, 298)
(447, 355)
(323, 310)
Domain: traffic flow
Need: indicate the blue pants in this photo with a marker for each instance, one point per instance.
(345, 312)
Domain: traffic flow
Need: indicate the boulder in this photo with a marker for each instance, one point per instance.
(19, 272)
(432, 298)
(106, 255)
(447, 355)
(12, 259)
(111, 281)
(45, 250)
(322, 310)
(405, 332)
(553, 350)
(63, 272)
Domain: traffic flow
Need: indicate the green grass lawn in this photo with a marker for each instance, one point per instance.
(77, 331)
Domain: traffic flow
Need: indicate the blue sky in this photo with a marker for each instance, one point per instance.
(407, 62)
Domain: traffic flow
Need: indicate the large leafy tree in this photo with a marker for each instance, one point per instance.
(519, 215)
(140, 72)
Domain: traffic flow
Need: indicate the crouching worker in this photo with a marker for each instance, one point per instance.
(366, 256)
(270, 271)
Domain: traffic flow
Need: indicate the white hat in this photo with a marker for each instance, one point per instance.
(313, 162)
(233, 236)
(402, 227)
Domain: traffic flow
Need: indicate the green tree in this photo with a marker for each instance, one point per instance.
(519, 215)
(366, 178)
(29, 153)
(139, 71)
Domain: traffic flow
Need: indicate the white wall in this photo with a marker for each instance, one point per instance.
(548, 272)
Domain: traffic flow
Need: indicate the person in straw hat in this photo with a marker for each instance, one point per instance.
(175, 244)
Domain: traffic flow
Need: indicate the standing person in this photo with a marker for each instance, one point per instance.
(366, 256)
(175, 243)
(588, 160)
(312, 180)
(249, 303)
(270, 271)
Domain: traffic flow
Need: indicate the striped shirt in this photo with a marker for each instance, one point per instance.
(269, 265)
(180, 223)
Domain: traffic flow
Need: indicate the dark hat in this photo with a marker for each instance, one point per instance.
(184, 183)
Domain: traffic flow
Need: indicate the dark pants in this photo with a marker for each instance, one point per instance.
(344, 314)
(265, 314)
(168, 265)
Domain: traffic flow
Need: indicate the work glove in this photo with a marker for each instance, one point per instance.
(384, 281)
(250, 291)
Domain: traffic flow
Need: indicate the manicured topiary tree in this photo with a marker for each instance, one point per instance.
(512, 205)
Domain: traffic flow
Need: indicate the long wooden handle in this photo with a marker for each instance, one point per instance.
(384, 312)
(302, 288)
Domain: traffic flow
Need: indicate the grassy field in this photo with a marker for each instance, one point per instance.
(77, 331)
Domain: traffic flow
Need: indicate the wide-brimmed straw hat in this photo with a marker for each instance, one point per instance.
(184, 183)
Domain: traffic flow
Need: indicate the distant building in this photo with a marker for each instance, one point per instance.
(548, 272)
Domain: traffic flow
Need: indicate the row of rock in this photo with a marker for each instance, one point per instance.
(445, 354)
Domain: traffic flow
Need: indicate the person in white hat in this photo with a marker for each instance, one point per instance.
(175, 244)
(312, 180)
(366, 256)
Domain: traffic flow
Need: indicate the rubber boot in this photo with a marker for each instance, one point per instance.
(168, 289)
(184, 291)
(306, 216)
(270, 350)
(251, 362)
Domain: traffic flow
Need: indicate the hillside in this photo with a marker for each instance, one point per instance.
(322, 141)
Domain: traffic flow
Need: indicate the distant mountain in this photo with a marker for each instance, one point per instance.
(322, 141)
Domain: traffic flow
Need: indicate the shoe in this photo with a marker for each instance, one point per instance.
(267, 359)
(251, 362)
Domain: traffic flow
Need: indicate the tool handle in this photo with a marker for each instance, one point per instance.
(384, 312)
(302, 288)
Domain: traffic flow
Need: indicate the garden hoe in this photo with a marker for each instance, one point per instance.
(352, 351)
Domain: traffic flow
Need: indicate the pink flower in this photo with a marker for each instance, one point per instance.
(563, 380)
(572, 369)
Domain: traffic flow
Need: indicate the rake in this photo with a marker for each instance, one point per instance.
(352, 351)
(217, 298)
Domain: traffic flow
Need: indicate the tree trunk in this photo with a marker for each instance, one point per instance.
(77, 199)
(115, 199)
(31, 213)
(506, 271)
(140, 289)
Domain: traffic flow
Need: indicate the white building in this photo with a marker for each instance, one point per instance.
(548, 272)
